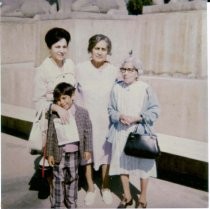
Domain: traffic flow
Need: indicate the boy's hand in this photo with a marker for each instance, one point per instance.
(63, 114)
(51, 160)
(87, 155)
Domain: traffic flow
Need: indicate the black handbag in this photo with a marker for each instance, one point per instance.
(143, 146)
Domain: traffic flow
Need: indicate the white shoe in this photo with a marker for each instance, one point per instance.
(107, 196)
(90, 198)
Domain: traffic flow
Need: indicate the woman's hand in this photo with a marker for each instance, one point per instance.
(128, 120)
(63, 114)
(51, 160)
(87, 155)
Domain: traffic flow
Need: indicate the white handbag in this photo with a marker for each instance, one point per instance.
(38, 134)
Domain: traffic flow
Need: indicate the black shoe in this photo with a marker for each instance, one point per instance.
(141, 205)
(124, 203)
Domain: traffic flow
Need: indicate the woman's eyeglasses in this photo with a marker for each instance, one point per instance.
(130, 70)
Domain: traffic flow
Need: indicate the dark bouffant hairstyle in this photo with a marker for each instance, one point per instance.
(63, 89)
(56, 34)
(99, 37)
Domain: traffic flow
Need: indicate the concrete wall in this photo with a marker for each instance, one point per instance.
(17, 84)
(173, 48)
(18, 40)
(184, 107)
(168, 43)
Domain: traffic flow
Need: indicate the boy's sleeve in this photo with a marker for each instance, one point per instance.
(88, 134)
(50, 137)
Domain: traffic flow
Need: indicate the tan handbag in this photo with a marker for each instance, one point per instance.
(38, 134)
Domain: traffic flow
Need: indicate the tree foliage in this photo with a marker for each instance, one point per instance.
(135, 6)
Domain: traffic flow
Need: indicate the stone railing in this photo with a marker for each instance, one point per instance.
(169, 44)
(172, 46)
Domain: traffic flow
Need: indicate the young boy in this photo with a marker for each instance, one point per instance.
(64, 150)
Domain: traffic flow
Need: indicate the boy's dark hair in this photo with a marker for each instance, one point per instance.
(56, 34)
(63, 89)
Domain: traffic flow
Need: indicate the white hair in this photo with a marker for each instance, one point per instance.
(137, 63)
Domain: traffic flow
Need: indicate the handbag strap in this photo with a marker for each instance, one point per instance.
(45, 147)
(146, 125)
(136, 128)
(38, 115)
(44, 158)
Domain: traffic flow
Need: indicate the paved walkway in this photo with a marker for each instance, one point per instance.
(17, 170)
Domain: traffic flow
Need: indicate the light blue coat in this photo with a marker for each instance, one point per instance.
(150, 112)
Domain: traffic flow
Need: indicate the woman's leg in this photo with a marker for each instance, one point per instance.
(105, 176)
(126, 187)
(105, 191)
(143, 188)
(91, 193)
(89, 177)
(50, 181)
(127, 200)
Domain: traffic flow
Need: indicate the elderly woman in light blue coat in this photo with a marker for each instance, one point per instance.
(131, 101)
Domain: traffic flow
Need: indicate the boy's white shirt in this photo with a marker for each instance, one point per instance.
(66, 133)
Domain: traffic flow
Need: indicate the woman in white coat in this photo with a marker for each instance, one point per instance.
(95, 79)
(56, 68)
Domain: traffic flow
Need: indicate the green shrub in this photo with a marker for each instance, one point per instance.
(134, 7)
